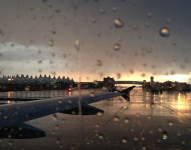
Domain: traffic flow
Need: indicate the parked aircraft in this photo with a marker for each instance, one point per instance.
(13, 116)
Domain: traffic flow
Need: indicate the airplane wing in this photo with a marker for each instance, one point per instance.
(16, 114)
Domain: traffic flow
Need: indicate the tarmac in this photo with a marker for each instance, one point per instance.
(148, 121)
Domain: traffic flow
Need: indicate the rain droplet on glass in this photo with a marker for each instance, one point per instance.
(114, 9)
(93, 20)
(164, 32)
(102, 11)
(77, 44)
(51, 43)
(53, 30)
(124, 140)
(119, 38)
(168, 20)
(147, 24)
(149, 50)
(131, 71)
(100, 136)
(126, 120)
(116, 118)
(135, 139)
(174, 58)
(99, 63)
(97, 125)
(54, 117)
(57, 9)
(182, 66)
(165, 136)
(92, 94)
(135, 27)
(118, 23)
(118, 75)
(142, 47)
(174, 42)
(149, 14)
(187, 60)
(117, 47)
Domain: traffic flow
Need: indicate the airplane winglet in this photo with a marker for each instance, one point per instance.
(126, 93)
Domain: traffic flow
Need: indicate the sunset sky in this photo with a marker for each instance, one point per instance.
(79, 38)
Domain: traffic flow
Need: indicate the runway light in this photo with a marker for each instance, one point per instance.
(132, 125)
(143, 130)
(88, 143)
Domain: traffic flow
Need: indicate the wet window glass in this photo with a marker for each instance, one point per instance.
(95, 74)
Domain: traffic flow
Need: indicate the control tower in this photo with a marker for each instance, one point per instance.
(152, 81)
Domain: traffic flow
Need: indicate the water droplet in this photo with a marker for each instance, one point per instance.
(99, 113)
(147, 24)
(117, 47)
(54, 117)
(100, 136)
(58, 141)
(126, 120)
(98, 33)
(118, 23)
(10, 143)
(124, 140)
(142, 47)
(152, 105)
(174, 58)
(77, 44)
(119, 39)
(153, 66)
(118, 75)
(149, 50)
(187, 60)
(97, 125)
(168, 20)
(49, 4)
(135, 27)
(102, 11)
(164, 32)
(135, 52)
(53, 30)
(174, 42)
(99, 63)
(172, 72)
(149, 117)
(95, 82)
(93, 20)
(189, 129)
(63, 120)
(149, 14)
(57, 9)
(179, 134)
(183, 142)
(51, 43)
(143, 74)
(131, 71)
(182, 66)
(165, 136)
(116, 118)
(56, 127)
(92, 94)
(114, 9)
(143, 138)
